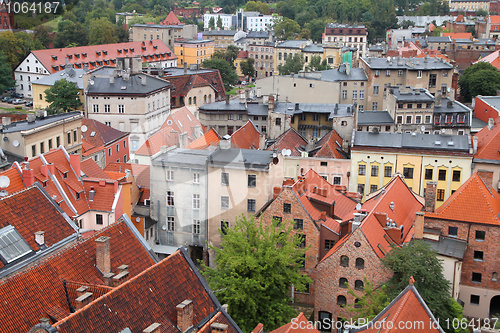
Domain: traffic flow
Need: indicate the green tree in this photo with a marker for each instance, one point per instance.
(481, 12)
(17, 45)
(63, 96)
(102, 31)
(69, 32)
(479, 79)
(230, 54)
(371, 301)
(255, 268)
(226, 70)
(418, 260)
(317, 63)
(121, 33)
(247, 68)
(41, 34)
(292, 64)
(211, 23)
(6, 78)
(286, 29)
(219, 22)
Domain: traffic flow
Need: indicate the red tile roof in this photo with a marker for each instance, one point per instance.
(102, 55)
(91, 169)
(246, 137)
(15, 177)
(488, 144)
(42, 284)
(472, 196)
(171, 19)
(99, 134)
(181, 86)
(179, 121)
(105, 194)
(292, 140)
(154, 294)
(493, 58)
(211, 138)
(140, 172)
(495, 19)
(330, 146)
(458, 35)
(378, 210)
(299, 324)
(243, 55)
(406, 309)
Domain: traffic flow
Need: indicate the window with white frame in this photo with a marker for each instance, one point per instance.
(224, 202)
(419, 74)
(196, 178)
(361, 94)
(170, 175)
(170, 223)
(121, 108)
(196, 227)
(95, 108)
(196, 201)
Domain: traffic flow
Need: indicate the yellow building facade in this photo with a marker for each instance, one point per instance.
(193, 52)
(373, 164)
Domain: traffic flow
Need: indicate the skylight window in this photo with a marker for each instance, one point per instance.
(92, 134)
(12, 245)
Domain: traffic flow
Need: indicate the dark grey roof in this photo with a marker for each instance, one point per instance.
(177, 71)
(239, 158)
(478, 123)
(374, 118)
(339, 25)
(407, 63)
(409, 94)
(314, 48)
(219, 33)
(336, 75)
(484, 41)
(438, 39)
(178, 156)
(422, 41)
(456, 143)
(464, 41)
(132, 86)
(24, 125)
(258, 34)
(69, 74)
(376, 48)
(449, 247)
(453, 107)
(293, 44)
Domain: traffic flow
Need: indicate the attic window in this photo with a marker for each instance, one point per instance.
(65, 174)
(12, 245)
(98, 53)
(131, 49)
(84, 54)
(123, 88)
(105, 52)
(119, 50)
(54, 57)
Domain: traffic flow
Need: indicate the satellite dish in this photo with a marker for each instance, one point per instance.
(84, 128)
(15, 143)
(4, 181)
(137, 219)
(358, 206)
(91, 82)
(286, 152)
(422, 128)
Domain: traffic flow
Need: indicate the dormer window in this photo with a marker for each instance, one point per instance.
(65, 174)
(44, 183)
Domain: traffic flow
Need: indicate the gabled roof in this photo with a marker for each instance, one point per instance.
(379, 212)
(92, 170)
(130, 86)
(140, 172)
(178, 122)
(31, 210)
(98, 135)
(458, 35)
(15, 177)
(407, 307)
(105, 195)
(154, 294)
(171, 19)
(102, 55)
(290, 139)
(472, 196)
(246, 137)
(330, 146)
(488, 144)
(182, 84)
(492, 58)
(242, 55)
(210, 138)
(43, 284)
(299, 324)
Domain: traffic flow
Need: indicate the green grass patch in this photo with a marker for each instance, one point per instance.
(52, 24)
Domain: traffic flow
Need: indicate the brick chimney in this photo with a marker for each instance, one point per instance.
(52, 168)
(153, 328)
(430, 196)
(40, 238)
(270, 104)
(487, 177)
(44, 170)
(185, 315)
(74, 160)
(81, 291)
(103, 255)
(418, 225)
(219, 328)
(28, 175)
(323, 216)
(83, 300)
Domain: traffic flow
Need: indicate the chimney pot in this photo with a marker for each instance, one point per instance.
(83, 300)
(80, 291)
(108, 279)
(40, 238)
(218, 328)
(103, 255)
(28, 176)
(185, 315)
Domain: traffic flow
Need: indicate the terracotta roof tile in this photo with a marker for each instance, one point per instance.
(99, 134)
(91, 169)
(15, 177)
(171, 19)
(299, 321)
(492, 58)
(211, 138)
(42, 284)
(330, 146)
(154, 294)
(182, 84)
(140, 172)
(458, 35)
(54, 59)
(292, 140)
(488, 145)
(104, 194)
(474, 196)
(246, 137)
(495, 19)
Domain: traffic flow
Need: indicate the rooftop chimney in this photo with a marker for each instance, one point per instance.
(225, 142)
(185, 315)
(475, 141)
(6, 121)
(44, 170)
(112, 78)
(185, 68)
(491, 123)
(153, 328)
(430, 196)
(242, 96)
(358, 217)
(418, 225)
(28, 176)
(103, 255)
(121, 277)
(271, 102)
(81, 291)
(31, 117)
(227, 99)
(218, 328)
(83, 300)
(91, 193)
(143, 80)
(438, 98)
(74, 161)
(40, 238)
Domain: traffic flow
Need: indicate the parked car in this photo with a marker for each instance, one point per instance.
(10, 99)
(30, 103)
(6, 98)
(18, 101)
(16, 95)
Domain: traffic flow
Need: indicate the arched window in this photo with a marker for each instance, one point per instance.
(359, 285)
(190, 100)
(344, 261)
(341, 300)
(356, 304)
(494, 276)
(204, 98)
(209, 98)
(194, 100)
(343, 283)
(360, 263)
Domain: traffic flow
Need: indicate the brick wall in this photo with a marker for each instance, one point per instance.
(330, 271)
(490, 248)
(311, 231)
